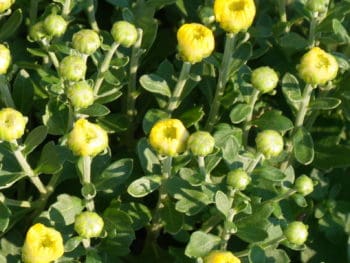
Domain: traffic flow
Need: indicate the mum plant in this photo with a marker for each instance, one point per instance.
(206, 131)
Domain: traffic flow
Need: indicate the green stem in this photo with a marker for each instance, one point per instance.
(203, 171)
(265, 245)
(104, 67)
(28, 171)
(90, 11)
(33, 11)
(280, 197)
(66, 8)
(211, 223)
(17, 203)
(247, 124)
(156, 225)
(53, 58)
(254, 163)
(282, 10)
(132, 91)
(222, 81)
(6, 94)
(299, 120)
(312, 30)
(175, 99)
(90, 206)
(226, 233)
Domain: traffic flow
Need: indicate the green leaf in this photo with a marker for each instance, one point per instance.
(239, 113)
(240, 57)
(64, 210)
(49, 161)
(148, 158)
(34, 139)
(118, 226)
(138, 213)
(257, 255)
(155, 84)
(201, 244)
(11, 25)
(23, 92)
(303, 146)
(92, 257)
(334, 156)
(151, 117)
(5, 215)
(7, 179)
(291, 90)
(72, 243)
(325, 103)
(192, 116)
(299, 200)
(114, 122)
(274, 120)
(191, 176)
(144, 185)
(56, 117)
(5, 94)
(340, 31)
(269, 173)
(293, 41)
(172, 219)
(191, 201)
(95, 110)
(114, 175)
(222, 203)
(108, 96)
(230, 149)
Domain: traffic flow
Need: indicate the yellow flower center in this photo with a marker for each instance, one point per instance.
(170, 133)
(47, 242)
(322, 61)
(237, 6)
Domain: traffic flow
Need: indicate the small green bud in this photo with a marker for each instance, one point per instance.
(88, 224)
(264, 79)
(12, 124)
(317, 5)
(206, 15)
(37, 31)
(5, 59)
(81, 94)
(86, 41)
(124, 33)
(269, 143)
(238, 179)
(55, 25)
(5, 4)
(304, 185)
(296, 233)
(201, 143)
(73, 68)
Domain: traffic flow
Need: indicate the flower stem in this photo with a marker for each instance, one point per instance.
(254, 163)
(280, 197)
(90, 206)
(174, 101)
(132, 91)
(90, 11)
(33, 11)
(312, 30)
(299, 120)
(226, 233)
(17, 203)
(29, 171)
(222, 81)
(247, 125)
(66, 8)
(53, 58)
(282, 10)
(104, 67)
(203, 171)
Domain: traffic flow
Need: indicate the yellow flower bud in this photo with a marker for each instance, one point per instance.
(5, 59)
(269, 143)
(42, 245)
(317, 67)
(5, 4)
(234, 15)
(195, 42)
(169, 137)
(221, 257)
(12, 124)
(87, 139)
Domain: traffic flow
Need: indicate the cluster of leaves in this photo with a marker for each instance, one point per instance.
(196, 215)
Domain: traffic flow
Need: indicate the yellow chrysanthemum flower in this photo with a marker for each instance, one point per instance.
(42, 245)
(234, 15)
(317, 67)
(169, 137)
(221, 257)
(87, 139)
(12, 124)
(195, 42)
